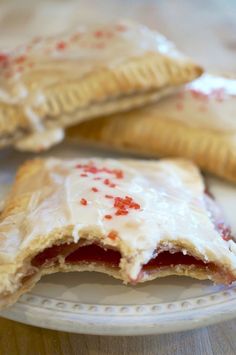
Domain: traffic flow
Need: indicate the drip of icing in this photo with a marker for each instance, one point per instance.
(40, 141)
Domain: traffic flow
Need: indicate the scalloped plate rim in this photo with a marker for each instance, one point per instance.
(122, 324)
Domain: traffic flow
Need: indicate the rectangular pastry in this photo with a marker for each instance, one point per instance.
(52, 83)
(197, 123)
(133, 220)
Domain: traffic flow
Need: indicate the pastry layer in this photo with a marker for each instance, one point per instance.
(56, 82)
(197, 123)
(97, 259)
(152, 217)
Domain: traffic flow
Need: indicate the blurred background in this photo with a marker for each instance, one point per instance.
(204, 29)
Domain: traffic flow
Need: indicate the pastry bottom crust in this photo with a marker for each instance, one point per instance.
(200, 273)
(25, 139)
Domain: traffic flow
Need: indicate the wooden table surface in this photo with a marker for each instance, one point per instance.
(204, 29)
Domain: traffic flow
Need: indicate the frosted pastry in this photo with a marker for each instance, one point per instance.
(52, 83)
(133, 220)
(198, 123)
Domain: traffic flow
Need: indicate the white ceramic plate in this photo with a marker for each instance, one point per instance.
(98, 304)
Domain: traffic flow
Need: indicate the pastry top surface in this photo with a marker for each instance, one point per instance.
(72, 55)
(55, 82)
(207, 102)
(134, 206)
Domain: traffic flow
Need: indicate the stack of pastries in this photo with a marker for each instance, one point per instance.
(123, 87)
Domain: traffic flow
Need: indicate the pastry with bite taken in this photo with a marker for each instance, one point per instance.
(131, 219)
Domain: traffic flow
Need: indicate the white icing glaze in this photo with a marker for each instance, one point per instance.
(208, 102)
(172, 209)
(40, 141)
(75, 54)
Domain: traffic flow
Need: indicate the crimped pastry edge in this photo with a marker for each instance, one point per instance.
(212, 151)
(63, 102)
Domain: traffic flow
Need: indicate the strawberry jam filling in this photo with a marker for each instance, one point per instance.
(93, 253)
(79, 253)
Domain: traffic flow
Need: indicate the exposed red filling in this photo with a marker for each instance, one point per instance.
(77, 253)
(94, 253)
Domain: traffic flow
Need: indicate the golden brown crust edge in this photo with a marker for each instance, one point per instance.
(139, 133)
(61, 101)
(188, 271)
(14, 201)
(13, 123)
(148, 73)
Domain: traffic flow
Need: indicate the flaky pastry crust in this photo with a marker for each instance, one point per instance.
(137, 208)
(197, 123)
(57, 82)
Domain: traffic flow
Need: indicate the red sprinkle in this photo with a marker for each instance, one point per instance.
(124, 204)
(108, 196)
(106, 182)
(99, 34)
(119, 174)
(108, 216)
(109, 183)
(83, 202)
(3, 58)
(61, 46)
(199, 95)
(113, 235)
(83, 175)
(97, 178)
(225, 232)
(134, 205)
(121, 212)
(94, 189)
(90, 168)
(21, 59)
